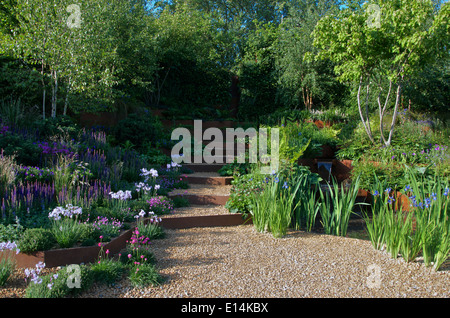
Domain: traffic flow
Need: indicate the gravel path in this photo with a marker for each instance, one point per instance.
(240, 262)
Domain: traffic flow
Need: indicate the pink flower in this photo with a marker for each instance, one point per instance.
(129, 255)
(107, 252)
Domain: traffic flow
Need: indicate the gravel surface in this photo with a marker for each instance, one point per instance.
(240, 262)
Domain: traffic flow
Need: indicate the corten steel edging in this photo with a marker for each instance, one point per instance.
(186, 222)
(67, 256)
(209, 180)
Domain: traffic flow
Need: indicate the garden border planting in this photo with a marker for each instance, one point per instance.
(87, 254)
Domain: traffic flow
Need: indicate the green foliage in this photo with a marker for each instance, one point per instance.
(10, 232)
(107, 271)
(139, 254)
(189, 75)
(137, 129)
(285, 199)
(26, 152)
(144, 275)
(423, 229)
(304, 82)
(235, 167)
(7, 267)
(243, 187)
(272, 208)
(257, 76)
(337, 204)
(36, 239)
(151, 230)
(410, 35)
(56, 285)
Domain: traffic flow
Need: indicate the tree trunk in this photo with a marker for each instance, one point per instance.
(43, 90)
(364, 120)
(382, 110)
(394, 116)
(66, 102)
(54, 92)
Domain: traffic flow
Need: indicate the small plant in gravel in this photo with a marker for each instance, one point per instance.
(142, 275)
(137, 255)
(180, 201)
(55, 284)
(106, 270)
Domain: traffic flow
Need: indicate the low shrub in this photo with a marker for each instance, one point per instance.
(36, 239)
(10, 232)
(243, 186)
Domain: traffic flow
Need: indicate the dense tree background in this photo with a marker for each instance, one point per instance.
(182, 56)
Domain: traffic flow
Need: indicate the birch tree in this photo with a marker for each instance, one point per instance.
(383, 42)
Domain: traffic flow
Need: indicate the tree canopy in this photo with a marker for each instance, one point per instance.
(185, 55)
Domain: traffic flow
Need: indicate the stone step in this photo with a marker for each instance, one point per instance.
(204, 194)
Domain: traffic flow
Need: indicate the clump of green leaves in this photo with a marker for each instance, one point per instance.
(36, 239)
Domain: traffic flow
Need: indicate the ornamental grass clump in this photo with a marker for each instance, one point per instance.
(307, 197)
(337, 203)
(422, 230)
(430, 200)
(273, 207)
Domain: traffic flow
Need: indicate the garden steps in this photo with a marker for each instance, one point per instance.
(204, 194)
(204, 167)
(208, 191)
(210, 178)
